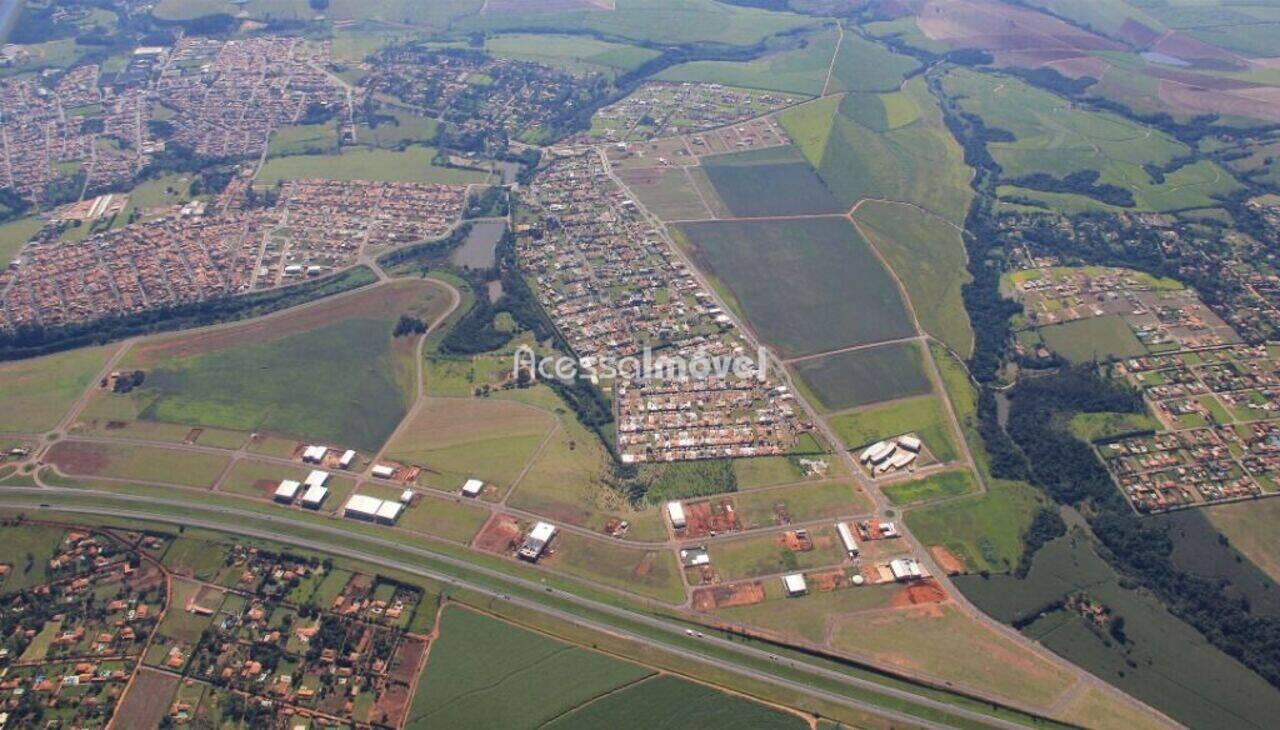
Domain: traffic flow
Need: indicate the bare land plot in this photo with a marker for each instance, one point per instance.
(144, 463)
(147, 702)
(668, 192)
(650, 573)
(36, 393)
(805, 285)
(799, 503)
(761, 555)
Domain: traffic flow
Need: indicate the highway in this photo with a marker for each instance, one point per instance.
(674, 638)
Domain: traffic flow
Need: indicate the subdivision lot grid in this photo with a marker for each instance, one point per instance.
(615, 288)
(667, 108)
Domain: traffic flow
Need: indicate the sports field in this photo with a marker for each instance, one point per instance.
(768, 182)
(414, 164)
(861, 377)
(331, 372)
(37, 392)
(923, 416)
(929, 258)
(806, 285)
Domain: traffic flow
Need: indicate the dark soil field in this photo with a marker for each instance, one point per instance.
(774, 181)
(858, 377)
(806, 286)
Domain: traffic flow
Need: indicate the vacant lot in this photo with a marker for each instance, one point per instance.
(331, 372)
(1095, 338)
(860, 377)
(922, 416)
(22, 541)
(806, 286)
(935, 486)
(144, 463)
(799, 503)
(35, 393)
(414, 164)
(669, 192)
(147, 702)
(985, 532)
(651, 573)
(483, 672)
(769, 182)
(751, 557)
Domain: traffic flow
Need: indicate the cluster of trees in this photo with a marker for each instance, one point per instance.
(1080, 182)
(127, 382)
(493, 202)
(408, 325)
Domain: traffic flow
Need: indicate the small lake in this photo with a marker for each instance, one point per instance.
(478, 251)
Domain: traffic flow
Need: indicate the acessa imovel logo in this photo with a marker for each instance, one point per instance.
(643, 366)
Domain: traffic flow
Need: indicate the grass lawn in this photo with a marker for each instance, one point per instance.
(483, 672)
(451, 520)
(1095, 338)
(922, 416)
(935, 486)
(36, 393)
(861, 377)
(331, 372)
(144, 463)
(455, 439)
(751, 557)
(1095, 426)
(835, 292)
(414, 164)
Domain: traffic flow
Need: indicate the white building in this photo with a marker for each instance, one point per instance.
(314, 454)
(910, 443)
(847, 539)
(905, 569)
(287, 491)
(877, 452)
(795, 585)
(383, 471)
(536, 541)
(348, 458)
(406, 496)
(389, 512)
(362, 507)
(472, 487)
(316, 478)
(314, 497)
(675, 511)
(695, 557)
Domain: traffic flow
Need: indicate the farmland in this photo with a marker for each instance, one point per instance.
(860, 377)
(572, 53)
(922, 416)
(864, 65)
(38, 391)
(774, 181)
(198, 379)
(796, 71)
(1250, 526)
(837, 293)
(1095, 338)
(668, 701)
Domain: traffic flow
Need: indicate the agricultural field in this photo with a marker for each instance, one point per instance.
(864, 376)
(1162, 660)
(933, 487)
(456, 439)
(929, 258)
(414, 164)
(922, 416)
(331, 372)
(571, 53)
(773, 181)
(1250, 526)
(674, 193)
(985, 532)
(836, 292)
(801, 70)
(668, 701)
(866, 156)
(863, 65)
(1053, 138)
(1094, 338)
(37, 392)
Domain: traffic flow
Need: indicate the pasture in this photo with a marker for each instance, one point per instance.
(774, 181)
(35, 393)
(923, 416)
(861, 377)
(27, 552)
(455, 439)
(1251, 528)
(862, 64)
(835, 292)
(330, 372)
(1093, 338)
(15, 234)
(929, 258)
(800, 70)
(413, 164)
(933, 487)
(488, 673)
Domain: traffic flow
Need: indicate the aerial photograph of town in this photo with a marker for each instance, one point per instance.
(637, 364)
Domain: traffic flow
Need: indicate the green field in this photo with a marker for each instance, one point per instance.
(1056, 138)
(143, 463)
(15, 234)
(302, 139)
(918, 162)
(27, 550)
(860, 377)
(483, 672)
(330, 372)
(667, 701)
(1164, 662)
(1251, 528)
(794, 71)
(922, 416)
(772, 181)
(802, 503)
(1094, 338)
(834, 294)
(414, 164)
(1094, 426)
(572, 53)
(935, 486)
(36, 393)
(929, 258)
(985, 532)
(865, 65)
(761, 555)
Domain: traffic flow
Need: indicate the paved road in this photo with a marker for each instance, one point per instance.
(674, 638)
